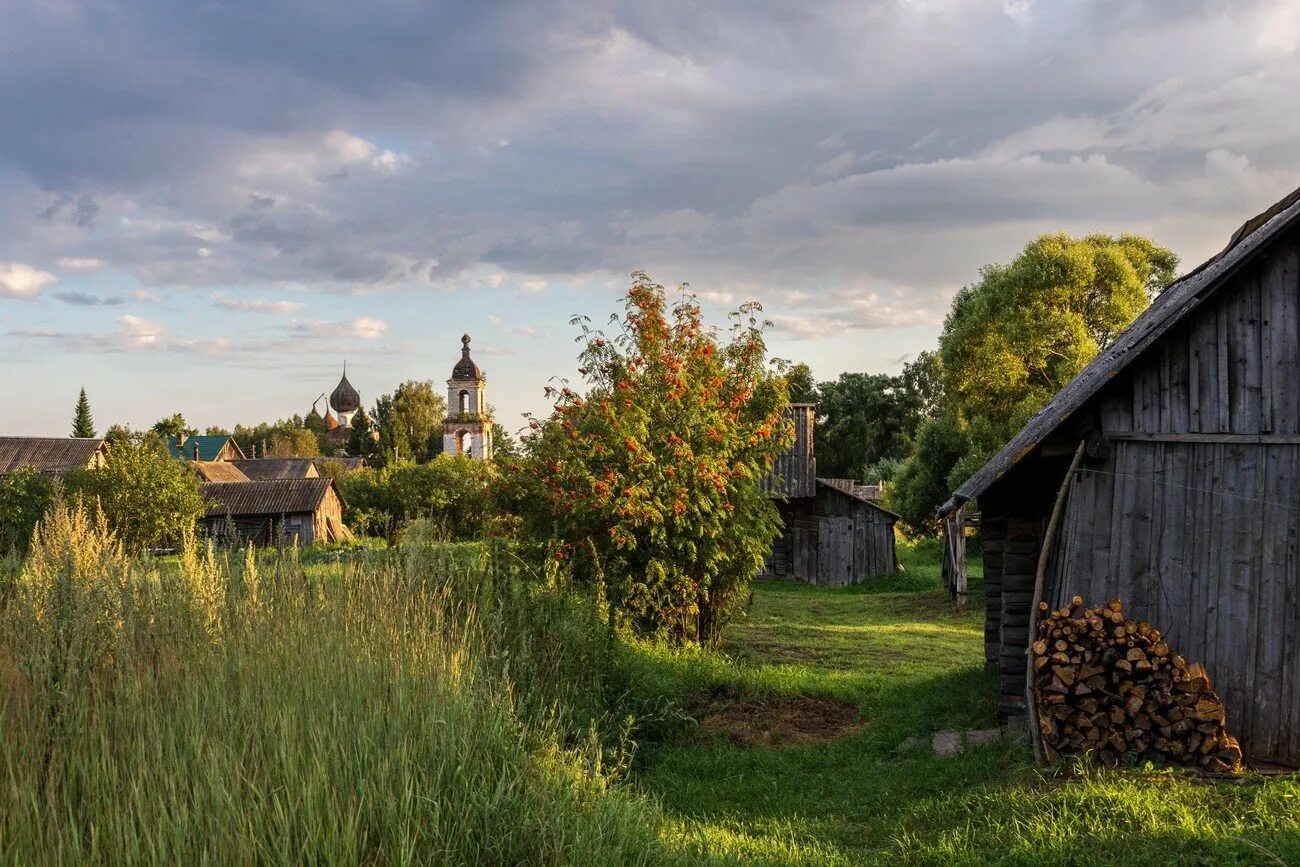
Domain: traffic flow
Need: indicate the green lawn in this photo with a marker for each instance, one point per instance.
(912, 666)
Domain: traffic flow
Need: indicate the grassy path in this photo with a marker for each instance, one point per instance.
(913, 666)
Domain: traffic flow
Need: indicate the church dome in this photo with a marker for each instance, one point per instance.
(465, 368)
(345, 398)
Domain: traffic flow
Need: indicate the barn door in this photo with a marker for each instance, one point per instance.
(835, 551)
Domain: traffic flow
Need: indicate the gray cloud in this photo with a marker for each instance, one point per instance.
(85, 299)
(870, 154)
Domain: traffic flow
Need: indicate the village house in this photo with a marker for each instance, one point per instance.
(1185, 500)
(834, 534)
(51, 454)
(274, 512)
(217, 447)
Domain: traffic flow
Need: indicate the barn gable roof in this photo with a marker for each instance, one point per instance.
(270, 497)
(1170, 308)
(47, 454)
(277, 468)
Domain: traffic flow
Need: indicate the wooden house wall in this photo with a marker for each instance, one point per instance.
(1192, 517)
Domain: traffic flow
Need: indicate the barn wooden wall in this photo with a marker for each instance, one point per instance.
(1193, 519)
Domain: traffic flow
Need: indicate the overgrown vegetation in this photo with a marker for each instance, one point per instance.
(246, 710)
(148, 499)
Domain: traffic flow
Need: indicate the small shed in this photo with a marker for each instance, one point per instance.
(1186, 501)
(204, 448)
(274, 512)
(834, 535)
(262, 469)
(51, 454)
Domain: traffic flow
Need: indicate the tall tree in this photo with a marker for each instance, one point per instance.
(419, 410)
(1016, 337)
(864, 419)
(800, 384)
(648, 486)
(173, 426)
(361, 439)
(82, 423)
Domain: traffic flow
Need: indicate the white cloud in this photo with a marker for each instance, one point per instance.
(256, 305)
(77, 263)
(23, 281)
(365, 328)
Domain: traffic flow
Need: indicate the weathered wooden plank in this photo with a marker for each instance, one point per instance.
(1224, 438)
(1223, 376)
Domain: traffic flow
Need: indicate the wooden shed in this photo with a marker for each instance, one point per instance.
(1186, 503)
(51, 454)
(834, 534)
(274, 512)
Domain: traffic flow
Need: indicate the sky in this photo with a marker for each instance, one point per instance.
(209, 207)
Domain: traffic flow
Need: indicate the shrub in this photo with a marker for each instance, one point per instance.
(647, 488)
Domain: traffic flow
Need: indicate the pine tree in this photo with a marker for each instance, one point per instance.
(82, 423)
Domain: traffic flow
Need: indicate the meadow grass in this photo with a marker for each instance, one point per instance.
(235, 710)
(912, 665)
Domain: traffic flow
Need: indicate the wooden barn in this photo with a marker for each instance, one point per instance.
(835, 535)
(261, 469)
(1186, 501)
(274, 512)
(51, 454)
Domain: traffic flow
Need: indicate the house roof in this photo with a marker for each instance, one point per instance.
(47, 454)
(209, 446)
(849, 489)
(268, 497)
(277, 468)
(218, 471)
(1169, 308)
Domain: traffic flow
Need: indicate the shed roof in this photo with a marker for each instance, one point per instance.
(218, 471)
(1171, 307)
(269, 497)
(209, 446)
(277, 468)
(47, 454)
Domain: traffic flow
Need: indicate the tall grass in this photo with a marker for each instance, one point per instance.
(405, 709)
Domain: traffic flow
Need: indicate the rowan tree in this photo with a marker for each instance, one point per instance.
(647, 486)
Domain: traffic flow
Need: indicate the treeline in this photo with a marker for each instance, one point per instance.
(1010, 341)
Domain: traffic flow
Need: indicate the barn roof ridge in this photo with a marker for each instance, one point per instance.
(265, 497)
(1168, 309)
(850, 491)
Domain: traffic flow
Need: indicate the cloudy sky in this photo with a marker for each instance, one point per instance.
(208, 206)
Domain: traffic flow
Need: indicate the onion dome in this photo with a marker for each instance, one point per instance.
(345, 398)
(330, 421)
(465, 368)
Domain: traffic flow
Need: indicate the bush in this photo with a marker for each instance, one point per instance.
(453, 495)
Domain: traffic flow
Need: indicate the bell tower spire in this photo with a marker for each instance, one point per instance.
(468, 428)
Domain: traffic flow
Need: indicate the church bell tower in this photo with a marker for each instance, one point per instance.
(468, 429)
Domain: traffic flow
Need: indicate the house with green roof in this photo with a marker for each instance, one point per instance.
(205, 448)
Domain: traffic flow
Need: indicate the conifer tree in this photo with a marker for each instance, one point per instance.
(82, 423)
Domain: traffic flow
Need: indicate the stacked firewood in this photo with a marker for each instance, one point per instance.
(1110, 686)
